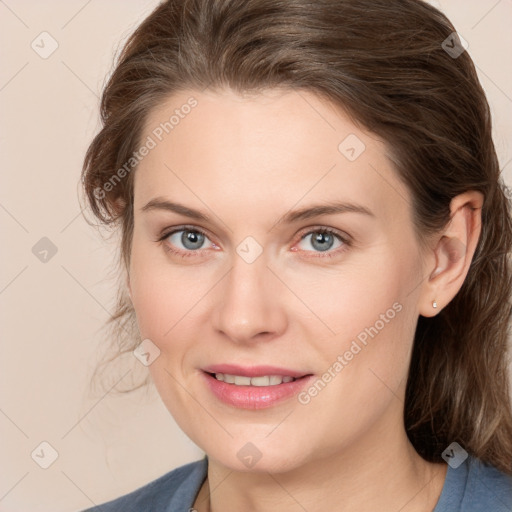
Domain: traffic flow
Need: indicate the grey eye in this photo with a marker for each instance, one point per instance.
(189, 239)
(321, 241)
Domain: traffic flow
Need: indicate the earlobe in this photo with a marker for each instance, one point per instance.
(453, 253)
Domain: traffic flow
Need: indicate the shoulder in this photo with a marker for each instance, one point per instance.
(475, 486)
(487, 488)
(175, 490)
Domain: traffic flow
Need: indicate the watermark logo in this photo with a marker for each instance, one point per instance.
(44, 455)
(249, 249)
(454, 455)
(352, 147)
(249, 455)
(454, 45)
(147, 352)
(44, 250)
(44, 45)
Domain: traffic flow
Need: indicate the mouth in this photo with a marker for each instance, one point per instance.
(261, 381)
(254, 387)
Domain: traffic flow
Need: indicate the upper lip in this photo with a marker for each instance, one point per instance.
(253, 371)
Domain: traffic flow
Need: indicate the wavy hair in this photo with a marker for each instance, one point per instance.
(394, 67)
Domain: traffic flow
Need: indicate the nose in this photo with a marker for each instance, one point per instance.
(249, 303)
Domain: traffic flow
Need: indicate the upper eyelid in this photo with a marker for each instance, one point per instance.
(176, 229)
(333, 231)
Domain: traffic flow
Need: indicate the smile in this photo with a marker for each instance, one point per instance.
(265, 380)
(255, 387)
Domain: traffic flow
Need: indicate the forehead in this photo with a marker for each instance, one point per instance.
(280, 147)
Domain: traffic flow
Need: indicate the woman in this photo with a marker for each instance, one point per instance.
(315, 240)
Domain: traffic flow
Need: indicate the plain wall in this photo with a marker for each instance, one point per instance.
(52, 312)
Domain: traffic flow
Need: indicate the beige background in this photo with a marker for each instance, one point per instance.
(51, 313)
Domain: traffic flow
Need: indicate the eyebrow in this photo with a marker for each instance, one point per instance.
(324, 209)
(307, 212)
(159, 203)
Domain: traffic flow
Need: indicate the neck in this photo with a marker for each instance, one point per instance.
(380, 472)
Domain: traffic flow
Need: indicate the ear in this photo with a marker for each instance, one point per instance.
(453, 252)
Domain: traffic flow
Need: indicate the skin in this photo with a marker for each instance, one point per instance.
(246, 161)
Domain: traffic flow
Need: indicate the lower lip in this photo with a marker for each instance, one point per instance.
(254, 397)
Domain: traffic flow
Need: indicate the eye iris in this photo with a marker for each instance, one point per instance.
(192, 239)
(322, 241)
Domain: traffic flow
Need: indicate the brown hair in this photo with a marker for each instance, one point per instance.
(389, 66)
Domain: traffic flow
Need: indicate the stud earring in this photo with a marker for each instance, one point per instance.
(434, 304)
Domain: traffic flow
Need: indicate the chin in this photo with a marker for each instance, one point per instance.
(257, 457)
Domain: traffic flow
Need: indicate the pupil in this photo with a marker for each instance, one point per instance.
(322, 241)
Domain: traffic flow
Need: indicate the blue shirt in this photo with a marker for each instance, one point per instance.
(472, 487)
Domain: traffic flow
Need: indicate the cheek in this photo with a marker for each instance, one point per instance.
(369, 316)
(154, 305)
(162, 293)
(365, 371)
(347, 299)
(164, 307)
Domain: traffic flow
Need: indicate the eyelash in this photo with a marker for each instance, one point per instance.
(323, 230)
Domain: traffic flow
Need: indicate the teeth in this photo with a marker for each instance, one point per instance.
(262, 381)
(266, 380)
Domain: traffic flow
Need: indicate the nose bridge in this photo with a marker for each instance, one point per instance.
(248, 305)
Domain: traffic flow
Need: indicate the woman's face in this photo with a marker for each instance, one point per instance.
(251, 279)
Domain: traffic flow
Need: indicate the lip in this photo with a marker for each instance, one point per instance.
(253, 371)
(254, 397)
